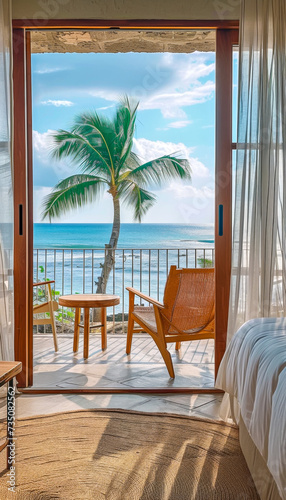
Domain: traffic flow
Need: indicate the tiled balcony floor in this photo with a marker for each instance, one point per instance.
(143, 368)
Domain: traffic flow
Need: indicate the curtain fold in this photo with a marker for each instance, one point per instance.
(258, 262)
(6, 188)
(258, 286)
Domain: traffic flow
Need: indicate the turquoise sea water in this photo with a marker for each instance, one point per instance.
(131, 235)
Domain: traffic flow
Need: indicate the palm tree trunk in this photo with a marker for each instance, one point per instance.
(109, 249)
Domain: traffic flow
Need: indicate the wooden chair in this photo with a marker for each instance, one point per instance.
(49, 306)
(187, 312)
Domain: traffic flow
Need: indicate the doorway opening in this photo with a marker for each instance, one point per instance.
(172, 77)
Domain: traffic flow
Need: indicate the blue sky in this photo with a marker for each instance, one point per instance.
(177, 113)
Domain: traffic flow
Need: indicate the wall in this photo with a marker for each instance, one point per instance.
(126, 9)
(111, 41)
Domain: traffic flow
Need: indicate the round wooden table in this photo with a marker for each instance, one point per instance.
(86, 302)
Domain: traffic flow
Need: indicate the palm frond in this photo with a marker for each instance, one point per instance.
(157, 171)
(88, 157)
(132, 162)
(72, 192)
(98, 130)
(124, 123)
(134, 196)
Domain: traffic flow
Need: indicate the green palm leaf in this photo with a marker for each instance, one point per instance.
(139, 199)
(73, 192)
(162, 169)
(89, 156)
(100, 133)
(157, 171)
(124, 124)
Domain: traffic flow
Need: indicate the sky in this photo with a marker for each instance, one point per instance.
(176, 114)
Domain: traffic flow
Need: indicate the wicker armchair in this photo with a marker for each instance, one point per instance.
(187, 312)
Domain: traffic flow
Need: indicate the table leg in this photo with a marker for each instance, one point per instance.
(86, 333)
(103, 329)
(76, 329)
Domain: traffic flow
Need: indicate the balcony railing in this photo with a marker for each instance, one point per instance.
(77, 270)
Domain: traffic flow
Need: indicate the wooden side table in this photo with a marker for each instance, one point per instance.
(8, 370)
(86, 302)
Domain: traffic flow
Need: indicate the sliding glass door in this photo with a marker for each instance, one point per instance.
(74, 270)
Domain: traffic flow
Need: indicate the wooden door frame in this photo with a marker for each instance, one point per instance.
(23, 204)
(225, 41)
(227, 36)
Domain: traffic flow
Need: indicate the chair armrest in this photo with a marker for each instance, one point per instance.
(43, 283)
(146, 297)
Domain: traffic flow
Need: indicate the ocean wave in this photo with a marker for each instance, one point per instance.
(197, 241)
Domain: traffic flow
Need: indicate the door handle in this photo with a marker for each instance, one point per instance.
(21, 220)
(220, 220)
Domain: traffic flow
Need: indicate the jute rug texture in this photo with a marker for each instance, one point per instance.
(125, 455)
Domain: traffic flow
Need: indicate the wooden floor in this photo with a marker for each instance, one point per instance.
(112, 368)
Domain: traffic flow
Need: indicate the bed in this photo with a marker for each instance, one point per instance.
(253, 374)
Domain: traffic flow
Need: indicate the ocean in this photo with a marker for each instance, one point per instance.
(131, 235)
(73, 254)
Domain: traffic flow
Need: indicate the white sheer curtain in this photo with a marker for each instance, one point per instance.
(258, 268)
(258, 282)
(6, 188)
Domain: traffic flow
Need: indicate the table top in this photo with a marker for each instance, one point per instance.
(8, 370)
(89, 300)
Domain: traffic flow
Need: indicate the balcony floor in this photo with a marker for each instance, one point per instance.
(143, 368)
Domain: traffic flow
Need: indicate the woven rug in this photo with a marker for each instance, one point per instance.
(125, 455)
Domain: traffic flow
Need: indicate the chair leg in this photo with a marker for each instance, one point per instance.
(53, 323)
(130, 330)
(52, 316)
(167, 358)
(178, 345)
(161, 343)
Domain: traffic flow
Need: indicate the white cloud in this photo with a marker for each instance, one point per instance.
(57, 103)
(105, 93)
(38, 198)
(180, 201)
(46, 71)
(149, 150)
(180, 190)
(42, 143)
(169, 86)
(42, 147)
(179, 124)
(172, 111)
(105, 107)
(170, 103)
(194, 204)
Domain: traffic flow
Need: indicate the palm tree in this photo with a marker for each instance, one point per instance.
(102, 150)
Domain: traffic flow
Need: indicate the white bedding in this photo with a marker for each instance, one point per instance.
(253, 370)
